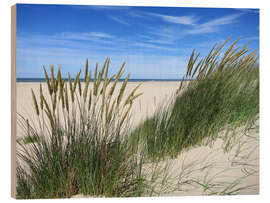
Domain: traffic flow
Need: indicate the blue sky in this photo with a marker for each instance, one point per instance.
(155, 42)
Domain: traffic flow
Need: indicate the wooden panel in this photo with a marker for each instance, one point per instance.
(13, 101)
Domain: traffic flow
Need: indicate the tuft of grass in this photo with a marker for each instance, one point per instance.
(224, 91)
(82, 144)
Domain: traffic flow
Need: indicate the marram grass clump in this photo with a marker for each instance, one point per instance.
(223, 92)
(82, 144)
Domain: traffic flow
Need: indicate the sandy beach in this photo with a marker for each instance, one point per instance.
(202, 165)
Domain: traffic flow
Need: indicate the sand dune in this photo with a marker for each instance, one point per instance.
(200, 170)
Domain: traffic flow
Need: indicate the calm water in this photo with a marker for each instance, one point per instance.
(130, 80)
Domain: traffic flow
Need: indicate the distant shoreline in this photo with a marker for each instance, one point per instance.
(120, 80)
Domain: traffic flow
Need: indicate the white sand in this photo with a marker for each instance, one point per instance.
(200, 165)
(211, 170)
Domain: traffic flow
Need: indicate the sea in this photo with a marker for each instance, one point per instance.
(121, 80)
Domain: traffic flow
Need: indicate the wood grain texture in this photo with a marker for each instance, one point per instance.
(13, 101)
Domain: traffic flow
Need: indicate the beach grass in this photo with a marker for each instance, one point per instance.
(82, 144)
(224, 92)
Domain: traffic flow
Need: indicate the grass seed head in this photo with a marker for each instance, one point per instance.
(40, 96)
(66, 96)
(53, 80)
(123, 87)
(85, 91)
(71, 88)
(48, 112)
(35, 102)
(47, 81)
(86, 70)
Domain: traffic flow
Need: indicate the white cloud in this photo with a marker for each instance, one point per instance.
(63, 40)
(119, 20)
(228, 19)
(166, 35)
(173, 33)
(160, 41)
(213, 25)
(152, 46)
(136, 14)
(170, 34)
(185, 20)
(100, 34)
(85, 36)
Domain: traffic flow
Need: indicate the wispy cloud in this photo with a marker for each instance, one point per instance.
(100, 34)
(185, 20)
(213, 25)
(171, 35)
(156, 39)
(160, 41)
(74, 41)
(136, 14)
(228, 19)
(165, 34)
(85, 36)
(119, 20)
(153, 46)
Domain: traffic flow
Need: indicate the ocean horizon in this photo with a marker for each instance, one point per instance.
(120, 80)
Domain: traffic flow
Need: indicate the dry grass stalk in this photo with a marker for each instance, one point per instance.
(86, 70)
(75, 83)
(118, 76)
(53, 80)
(71, 88)
(95, 81)
(86, 88)
(80, 87)
(54, 101)
(49, 113)
(47, 80)
(123, 87)
(35, 102)
(90, 100)
(125, 115)
(66, 96)
(58, 79)
(40, 96)
(61, 94)
(131, 95)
